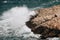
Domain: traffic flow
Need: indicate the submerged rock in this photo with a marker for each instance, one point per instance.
(46, 22)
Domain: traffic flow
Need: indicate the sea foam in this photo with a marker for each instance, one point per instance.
(13, 22)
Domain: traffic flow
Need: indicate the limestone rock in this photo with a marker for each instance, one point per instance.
(46, 22)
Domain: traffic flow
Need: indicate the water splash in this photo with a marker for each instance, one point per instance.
(13, 22)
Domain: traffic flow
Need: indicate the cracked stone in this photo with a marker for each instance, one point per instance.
(46, 22)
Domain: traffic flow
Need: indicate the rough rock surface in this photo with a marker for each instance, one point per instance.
(46, 22)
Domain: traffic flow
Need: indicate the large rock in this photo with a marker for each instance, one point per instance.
(46, 22)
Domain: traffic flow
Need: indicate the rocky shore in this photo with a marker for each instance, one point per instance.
(46, 22)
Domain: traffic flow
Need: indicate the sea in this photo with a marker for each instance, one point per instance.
(7, 5)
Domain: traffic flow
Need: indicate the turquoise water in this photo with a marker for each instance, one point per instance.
(7, 4)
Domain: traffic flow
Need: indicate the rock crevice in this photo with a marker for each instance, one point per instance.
(46, 22)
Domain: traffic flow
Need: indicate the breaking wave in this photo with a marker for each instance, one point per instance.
(13, 21)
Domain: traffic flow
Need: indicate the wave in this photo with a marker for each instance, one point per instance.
(13, 22)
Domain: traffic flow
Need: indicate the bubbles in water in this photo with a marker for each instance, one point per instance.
(13, 21)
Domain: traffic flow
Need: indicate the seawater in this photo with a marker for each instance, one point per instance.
(6, 5)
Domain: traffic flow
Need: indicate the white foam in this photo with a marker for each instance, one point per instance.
(14, 21)
(55, 38)
(5, 1)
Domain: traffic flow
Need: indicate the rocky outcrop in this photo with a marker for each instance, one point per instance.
(46, 22)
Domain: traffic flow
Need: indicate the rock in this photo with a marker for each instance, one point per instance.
(46, 22)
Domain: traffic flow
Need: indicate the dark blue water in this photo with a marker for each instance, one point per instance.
(7, 4)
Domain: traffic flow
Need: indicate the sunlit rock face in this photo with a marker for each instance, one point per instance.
(46, 22)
